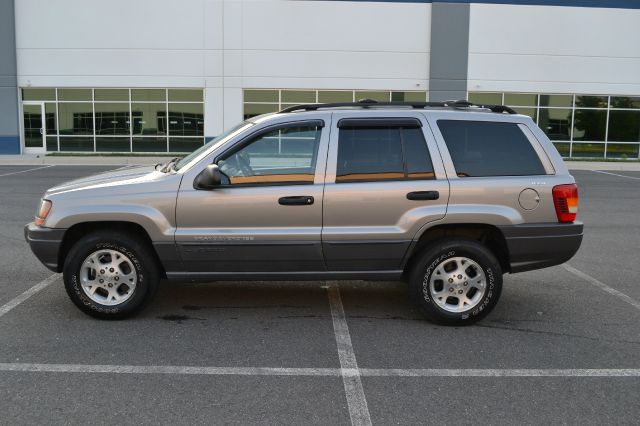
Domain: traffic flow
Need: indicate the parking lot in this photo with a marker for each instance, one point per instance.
(561, 347)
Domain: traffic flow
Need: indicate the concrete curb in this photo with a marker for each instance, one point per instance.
(35, 160)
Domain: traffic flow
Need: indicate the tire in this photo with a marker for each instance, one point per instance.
(438, 289)
(130, 276)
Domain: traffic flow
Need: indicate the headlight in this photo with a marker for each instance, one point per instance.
(43, 212)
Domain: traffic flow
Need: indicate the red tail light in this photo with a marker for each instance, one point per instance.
(565, 198)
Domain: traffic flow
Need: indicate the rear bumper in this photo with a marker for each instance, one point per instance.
(45, 243)
(541, 245)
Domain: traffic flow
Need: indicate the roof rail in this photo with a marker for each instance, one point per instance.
(368, 103)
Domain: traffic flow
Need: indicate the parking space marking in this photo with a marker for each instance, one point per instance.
(317, 372)
(28, 170)
(4, 309)
(612, 291)
(615, 174)
(356, 400)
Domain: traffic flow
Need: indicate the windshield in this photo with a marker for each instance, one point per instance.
(221, 138)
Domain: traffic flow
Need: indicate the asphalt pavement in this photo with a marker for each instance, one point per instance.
(561, 347)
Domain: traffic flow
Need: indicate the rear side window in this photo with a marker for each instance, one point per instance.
(382, 153)
(485, 148)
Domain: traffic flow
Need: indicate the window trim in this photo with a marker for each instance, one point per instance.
(250, 138)
(401, 127)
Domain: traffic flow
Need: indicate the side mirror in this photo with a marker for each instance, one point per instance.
(209, 178)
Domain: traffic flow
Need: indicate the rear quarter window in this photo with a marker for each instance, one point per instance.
(485, 148)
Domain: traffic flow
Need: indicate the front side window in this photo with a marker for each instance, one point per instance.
(283, 156)
(485, 148)
(382, 153)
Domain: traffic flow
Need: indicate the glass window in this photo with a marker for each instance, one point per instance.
(31, 94)
(625, 102)
(531, 112)
(331, 96)
(186, 120)
(52, 143)
(298, 96)
(112, 119)
(32, 124)
(121, 95)
(375, 95)
(408, 96)
(484, 148)
(587, 150)
(149, 119)
(185, 95)
(625, 151)
(624, 126)
(416, 154)
(148, 95)
(185, 144)
(521, 99)
(589, 125)
(261, 96)
(74, 95)
(556, 123)
(75, 118)
(556, 101)
(252, 110)
(282, 156)
(50, 119)
(69, 143)
(591, 102)
(150, 144)
(564, 148)
(111, 144)
(485, 98)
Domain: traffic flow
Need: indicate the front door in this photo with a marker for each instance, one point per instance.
(385, 182)
(266, 217)
(33, 127)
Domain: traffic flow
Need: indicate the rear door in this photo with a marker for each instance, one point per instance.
(385, 180)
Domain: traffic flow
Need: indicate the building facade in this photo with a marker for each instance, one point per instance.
(166, 75)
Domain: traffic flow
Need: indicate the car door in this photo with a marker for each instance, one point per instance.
(266, 216)
(385, 180)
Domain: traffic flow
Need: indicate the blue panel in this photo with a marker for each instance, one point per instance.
(618, 4)
(9, 145)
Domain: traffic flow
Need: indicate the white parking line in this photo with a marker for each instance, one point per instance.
(615, 174)
(28, 170)
(356, 400)
(612, 291)
(4, 309)
(317, 372)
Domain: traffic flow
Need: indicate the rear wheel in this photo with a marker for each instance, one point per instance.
(456, 282)
(110, 275)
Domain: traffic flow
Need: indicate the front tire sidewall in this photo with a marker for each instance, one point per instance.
(146, 278)
(426, 267)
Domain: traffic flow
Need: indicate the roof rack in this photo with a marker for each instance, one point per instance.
(368, 103)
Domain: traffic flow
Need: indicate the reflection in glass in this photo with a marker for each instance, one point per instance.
(52, 143)
(298, 96)
(556, 123)
(371, 94)
(485, 98)
(625, 102)
(31, 94)
(261, 96)
(32, 122)
(121, 95)
(252, 110)
(110, 144)
(590, 125)
(329, 96)
(185, 95)
(150, 144)
(556, 101)
(591, 102)
(564, 148)
(50, 119)
(588, 150)
(408, 96)
(624, 126)
(149, 119)
(186, 120)
(74, 95)
(531, 112)
(148, 95)
(69, 143)
(75, 118)
(112, 119)
(618, 150)
(185, 144)
(521, 99)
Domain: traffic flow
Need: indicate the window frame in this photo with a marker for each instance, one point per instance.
(251, 137)
(400, 123)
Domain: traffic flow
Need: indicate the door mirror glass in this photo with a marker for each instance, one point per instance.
(209, 178)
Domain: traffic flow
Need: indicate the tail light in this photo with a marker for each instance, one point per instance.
(565, 199)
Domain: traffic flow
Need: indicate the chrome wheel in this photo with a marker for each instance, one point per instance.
(108, 277)
(457, 284)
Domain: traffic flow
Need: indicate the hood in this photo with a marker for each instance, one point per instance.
(126, 176)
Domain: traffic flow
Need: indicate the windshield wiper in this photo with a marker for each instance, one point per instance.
(170, 165)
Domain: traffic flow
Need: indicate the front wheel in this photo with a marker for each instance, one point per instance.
(456, 282)
(110, 275)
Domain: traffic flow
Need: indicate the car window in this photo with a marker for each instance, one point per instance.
(485, 148)
(382, 153)
(283, 156)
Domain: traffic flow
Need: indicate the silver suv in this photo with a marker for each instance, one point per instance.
(447, 196)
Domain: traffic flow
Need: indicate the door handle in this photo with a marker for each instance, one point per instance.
(297, 200)
(423, 195)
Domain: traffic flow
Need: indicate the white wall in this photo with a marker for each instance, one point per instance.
(223, 46)
(554, 49)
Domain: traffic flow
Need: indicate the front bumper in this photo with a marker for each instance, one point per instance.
(541, 245)
(45, 244)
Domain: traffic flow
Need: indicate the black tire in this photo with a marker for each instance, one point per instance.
(429, 259)
(140, 255)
